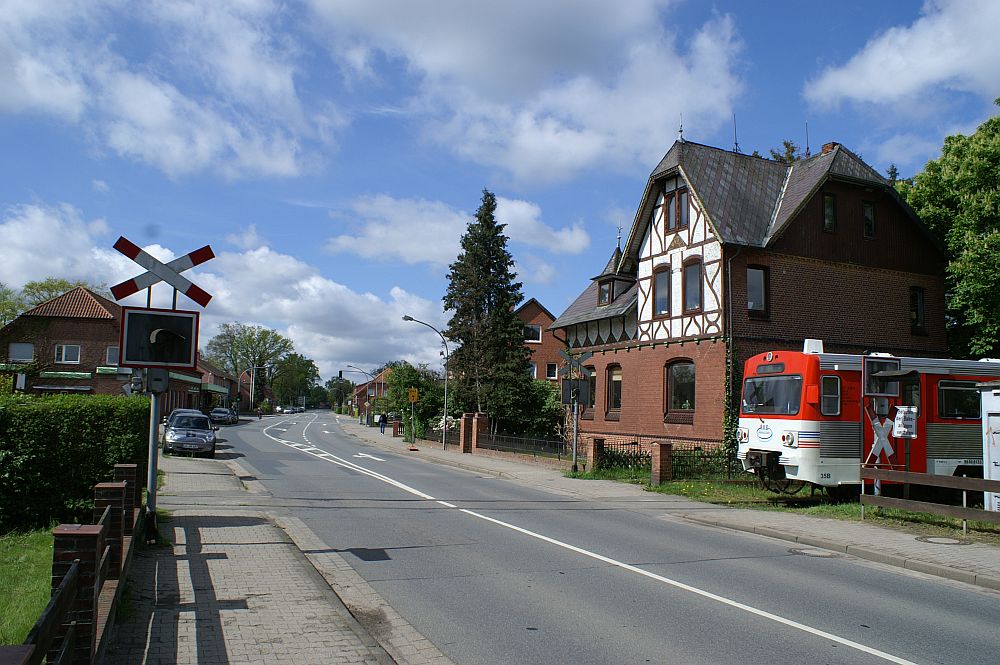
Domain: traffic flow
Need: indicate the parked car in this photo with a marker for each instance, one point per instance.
(226, 416)
(189, 433)
(174, 414)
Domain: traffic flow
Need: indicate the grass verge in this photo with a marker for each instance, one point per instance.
(25, 581)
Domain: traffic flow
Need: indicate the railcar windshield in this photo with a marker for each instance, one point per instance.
(777, 395)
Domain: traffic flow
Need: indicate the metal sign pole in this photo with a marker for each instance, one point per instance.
(154, 408)
(576, 433)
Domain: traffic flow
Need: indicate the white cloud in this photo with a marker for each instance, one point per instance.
(247, 238)
(100, 186)
(216, 93)
(545, 89)
(419, 231)
(952, 46)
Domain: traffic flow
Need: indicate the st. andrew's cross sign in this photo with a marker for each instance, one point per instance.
(158, 337)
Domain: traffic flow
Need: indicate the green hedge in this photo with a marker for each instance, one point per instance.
(54, 449)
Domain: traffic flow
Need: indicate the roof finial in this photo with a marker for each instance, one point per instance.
(736, 141)
(807, 140)
(680, 130)
(620, 227)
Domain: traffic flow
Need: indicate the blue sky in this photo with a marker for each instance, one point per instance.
(332, 151)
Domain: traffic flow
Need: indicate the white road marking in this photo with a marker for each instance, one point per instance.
(377, 459)
(329, 457)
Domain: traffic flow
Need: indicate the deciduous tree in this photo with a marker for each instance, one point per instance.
(958, 197)
(240, 346)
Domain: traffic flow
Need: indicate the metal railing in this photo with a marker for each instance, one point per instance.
(691, 459)
(551, 448)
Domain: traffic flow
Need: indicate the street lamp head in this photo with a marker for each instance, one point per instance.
(407, 317)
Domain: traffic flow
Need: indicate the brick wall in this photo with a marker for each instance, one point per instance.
(546, 351)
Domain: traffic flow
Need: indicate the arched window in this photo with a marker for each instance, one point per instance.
(679, 391)
(692, 285)
(614, 389)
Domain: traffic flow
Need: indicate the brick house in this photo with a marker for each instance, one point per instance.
(218, 387)
(730, 255)
(69, 344)
(540, 340)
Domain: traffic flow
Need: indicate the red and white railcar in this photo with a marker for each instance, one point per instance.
(814, 417)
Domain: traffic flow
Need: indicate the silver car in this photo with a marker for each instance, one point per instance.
(189, 433)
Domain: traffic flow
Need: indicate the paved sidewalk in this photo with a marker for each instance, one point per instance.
(973, 563)
(236, 588)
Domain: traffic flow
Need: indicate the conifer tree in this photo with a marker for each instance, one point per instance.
(490, 365)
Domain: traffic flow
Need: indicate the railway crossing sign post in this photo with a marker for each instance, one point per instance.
(575, 365)
(158, 340)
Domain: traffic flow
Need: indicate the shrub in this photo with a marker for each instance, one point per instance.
(54, 449)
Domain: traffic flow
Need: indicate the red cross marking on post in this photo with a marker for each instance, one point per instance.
(159, 271)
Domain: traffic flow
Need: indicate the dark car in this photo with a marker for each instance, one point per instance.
(226, 416)
(189, 433)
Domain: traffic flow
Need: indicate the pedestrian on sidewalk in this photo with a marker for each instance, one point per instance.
(382, 419)
(259, 412)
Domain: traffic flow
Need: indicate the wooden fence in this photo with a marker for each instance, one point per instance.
(89, 562)
(929, 480)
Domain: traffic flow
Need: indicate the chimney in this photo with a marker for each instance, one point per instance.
(828, 147)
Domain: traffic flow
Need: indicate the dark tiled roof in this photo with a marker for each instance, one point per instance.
(585, 307)
(77, 303)
(612, 267)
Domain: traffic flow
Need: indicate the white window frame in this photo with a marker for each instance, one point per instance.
(555, 370)
(533, 326)
(61, 354)
(10, 352)
(107, 356)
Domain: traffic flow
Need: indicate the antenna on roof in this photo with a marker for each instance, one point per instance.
(736, 141)
(680, 130)
(807, 139)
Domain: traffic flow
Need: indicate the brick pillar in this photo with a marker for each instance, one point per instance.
(133, 493)
(594, 450)
(112, 494)
(465, 432)
(86, 543)
(479, 424)
(663, 463)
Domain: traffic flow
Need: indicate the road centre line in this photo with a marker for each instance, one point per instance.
(329, 457)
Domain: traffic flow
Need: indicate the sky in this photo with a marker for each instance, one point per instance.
(332, 152)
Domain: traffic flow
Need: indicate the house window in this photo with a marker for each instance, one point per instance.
(679, 392)
(551, 370)
(830, 398)
(829, 213)
(757, 291)
(958, 399)
(20, 352)
(68, 354)
(692, 285)
(532, 333)
(533, 370)
(614, 388)
(593, 388)
(604, 293)
(682, 208)
(868, 217)
(917, 311)
(671, 213)
(111, 356)
(661, 291)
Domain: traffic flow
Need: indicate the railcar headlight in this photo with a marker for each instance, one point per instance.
(742, 434)
(788, 439)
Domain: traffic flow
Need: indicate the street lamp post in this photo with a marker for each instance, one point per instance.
(444, 421)
(253, 379)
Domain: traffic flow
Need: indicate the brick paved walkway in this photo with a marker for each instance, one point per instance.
(233, 588)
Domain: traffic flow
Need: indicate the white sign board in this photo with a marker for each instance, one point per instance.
(905, 425)
(991, 457)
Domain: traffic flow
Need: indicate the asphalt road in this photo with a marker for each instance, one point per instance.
(496, 572)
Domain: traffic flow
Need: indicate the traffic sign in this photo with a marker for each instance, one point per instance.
(575, 363)
(413, 395)
(158, 271)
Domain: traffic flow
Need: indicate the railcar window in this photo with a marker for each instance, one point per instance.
(958, 399)
(778, 395)
(830, 402)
